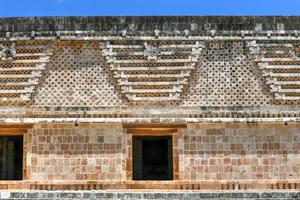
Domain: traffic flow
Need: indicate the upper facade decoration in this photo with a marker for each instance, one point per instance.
(151, 52)
(7, 52)
(154, 70)
(183, 62)
(20, 76)
(279, 66)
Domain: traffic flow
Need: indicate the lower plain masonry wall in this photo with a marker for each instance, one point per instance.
(206, 152)
(240, 152)
(69, 152)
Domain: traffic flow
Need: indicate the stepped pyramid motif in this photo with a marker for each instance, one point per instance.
(280, 66)
(153, 70)
(21, 66)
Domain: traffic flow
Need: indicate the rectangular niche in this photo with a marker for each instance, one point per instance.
(11, 157)
(152, 158)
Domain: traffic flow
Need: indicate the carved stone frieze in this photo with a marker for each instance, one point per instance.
(280, 67)
(152, 70)
(7, 52)
(21, 68)
(151, 52)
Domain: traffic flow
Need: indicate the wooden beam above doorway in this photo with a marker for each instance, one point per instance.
(154, 125)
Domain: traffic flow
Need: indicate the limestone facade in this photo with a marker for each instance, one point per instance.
(225, 89)
(243, 153)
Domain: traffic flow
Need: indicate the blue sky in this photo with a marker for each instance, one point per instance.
(10, 8)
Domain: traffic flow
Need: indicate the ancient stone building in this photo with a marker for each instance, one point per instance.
(150, 102)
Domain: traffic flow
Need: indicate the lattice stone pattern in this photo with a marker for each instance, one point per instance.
(78, 76)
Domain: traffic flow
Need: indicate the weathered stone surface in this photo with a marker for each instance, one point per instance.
(165, 23)
(234, 121)
(236, 154)
(159, 195)
(67, 152)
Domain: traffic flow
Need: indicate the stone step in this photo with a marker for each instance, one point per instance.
(278, 60)
(33, 54)
(150, 75)
(129, 61)
(280, 90)
(153, 68)
(34, 61)
(16, 91)
(145, 195)
(152, 98)
(14, 99)
(262, 66)
(272, 74)
(18, 76)
(272, 45)
(151, 91)
(141, 53)
(152, 83)
(11, 69)
(289, 98)
(175, 46)
(276, 51)
(286, 82)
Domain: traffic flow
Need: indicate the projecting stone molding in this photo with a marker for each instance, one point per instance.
(279, 66)
(152, 70)
(21, 66)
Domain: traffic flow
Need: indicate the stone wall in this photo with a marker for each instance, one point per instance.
(237, 153)
(240, 152)
(69, 152)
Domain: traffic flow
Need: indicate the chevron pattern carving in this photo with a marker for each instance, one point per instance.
(280, 66)
(152, 70)
(21, 67)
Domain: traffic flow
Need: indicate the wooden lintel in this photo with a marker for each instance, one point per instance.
(12, 131)
(154, 125)
(21, 126)
(152, 131)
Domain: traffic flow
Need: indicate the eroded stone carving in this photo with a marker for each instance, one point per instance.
(151, 52)
(7, 52)
(297, 53)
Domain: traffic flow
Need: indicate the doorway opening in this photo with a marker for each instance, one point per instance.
(11, 157)
(152, 158)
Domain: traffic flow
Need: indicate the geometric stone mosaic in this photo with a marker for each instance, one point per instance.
(152, 70)
(226, 77)
(21, 66)
(78, 76)
(279, 66)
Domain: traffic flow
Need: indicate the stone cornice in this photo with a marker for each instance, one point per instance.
(150, 120)
(97, 36)
(187, 26)
(146, 23)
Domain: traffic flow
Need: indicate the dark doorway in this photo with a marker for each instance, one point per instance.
(11, 157)
(152, 158)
